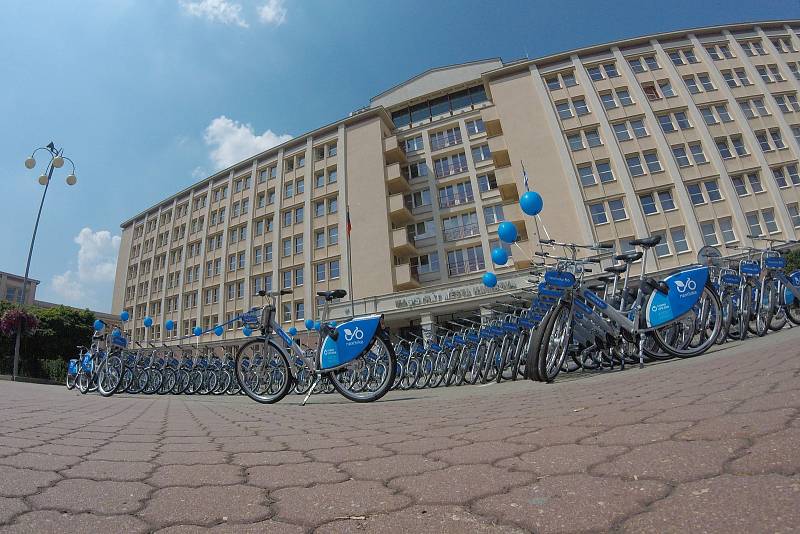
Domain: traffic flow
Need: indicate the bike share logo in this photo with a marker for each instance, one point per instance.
(356, 334)
(683, 287)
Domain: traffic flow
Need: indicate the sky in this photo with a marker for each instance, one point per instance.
(150, 96)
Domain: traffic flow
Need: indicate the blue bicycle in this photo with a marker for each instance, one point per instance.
(355, 357)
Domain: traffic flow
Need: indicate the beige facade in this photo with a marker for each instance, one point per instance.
(11, 288)
(692, 135)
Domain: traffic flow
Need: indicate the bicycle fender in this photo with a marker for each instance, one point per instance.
(685, 289)
(355, 337)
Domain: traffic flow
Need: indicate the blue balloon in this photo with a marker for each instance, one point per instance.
(197, 330)
(116, 333)
(247, 331)
(124, 316)
(531, 203)
(169, 325)
(218, 330)
(99, 325)
(317, 325)
(293, 331)
(489, 279)
(148, 322)
(499, 256)
(507, 232)
(309, 324)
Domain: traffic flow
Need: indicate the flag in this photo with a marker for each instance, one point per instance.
(349, 226)
(525, 176)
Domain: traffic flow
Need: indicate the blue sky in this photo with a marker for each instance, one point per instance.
(149, 96)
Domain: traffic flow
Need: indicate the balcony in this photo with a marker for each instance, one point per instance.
(406, 276)
(443, 170)
(396, 179)
(438, 142)
(399, 209)
(403, 244)
(454, 233)
(393, 150)
(506, 183)
(450, 201)
(491, 121)
(461, 268)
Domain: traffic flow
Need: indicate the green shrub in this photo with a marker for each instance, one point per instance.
(55, 370)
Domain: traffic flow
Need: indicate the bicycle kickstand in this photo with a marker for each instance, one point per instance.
(311, 390)
(641, 351)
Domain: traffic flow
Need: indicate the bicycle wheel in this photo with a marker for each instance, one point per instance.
(697, 331)
(380, 360)
(534, 347)
(765, 309)
(71, 380)
(555, 342)
(168, 381)
(109, 373)
(728, 312)
(262, 371)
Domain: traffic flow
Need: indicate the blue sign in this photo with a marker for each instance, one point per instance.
(775, 262)
(594, 299)
(685, 288)
(750, 268)
(353, 338)
(731, 279)
(561, 279)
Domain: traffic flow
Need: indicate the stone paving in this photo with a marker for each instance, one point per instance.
(710, 444)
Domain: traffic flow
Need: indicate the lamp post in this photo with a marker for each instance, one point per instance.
(57, 160)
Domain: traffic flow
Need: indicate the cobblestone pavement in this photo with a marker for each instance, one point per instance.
(709, 444)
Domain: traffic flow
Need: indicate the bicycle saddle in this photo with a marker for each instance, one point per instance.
(616, 269)
(606, 279)
(331, 295)
(646, 242)
(629, 257)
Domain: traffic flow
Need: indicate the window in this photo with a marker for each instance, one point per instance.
(564, 110)
(666, 123)
(755, 183)
(728, 76)
(332, 176)
(333, 235)
(726, 228)
(287, 247)
(648, 204)
(427, 263)
(768, 214)
(608, 100)
(333, 205)
(679, 152)
(319, 208)
(568, 79)
(705, 81)
(553, 83)
(662, 249)
(319, 272)
(682, 120)
(753, 223)
(586, 175)
(415, 143)
(780, 178)
(624, 97)
(724, 149)
(679, 240)
(636, 65)
(639, 129)
(634, 165)
(288, 190)
(286, 313)
(738, 145)
(611, 70)
(333, 269)
(299, 311)
(795, 68)
(697, 153)
(595, 73)
(287, 218)
(487, 182)
(580, 106)
(621, 131)
(741, 75)
(708, 116)
(298, 244)
(651, 62)
(286, 278)
(319, 239)
(712, 51)
(593, 138)
(722, 111)
(604, 171)
(474, 127)
(787, 103)
(777, 140)
(481, 153)
(709, 231)
(739, 185)
(691, 84)
(794, 213)
(676, 58)
(575, 142)
(666, 88)
(300, 187)
(598, 213)
(493, 214)
(445, 138)
(653, 164)
(651, 92)
(712, 190)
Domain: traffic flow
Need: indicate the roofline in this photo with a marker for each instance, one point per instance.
(641, 39)
(433, 69)
(378, 111)
(20, 278)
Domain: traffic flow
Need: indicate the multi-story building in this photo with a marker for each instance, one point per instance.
(692, 135)
(11, 288)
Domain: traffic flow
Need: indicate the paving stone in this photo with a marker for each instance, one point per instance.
(348, 454)
(391, 466)
(8, 451)
(205, 506)
(690, 412)
(561, 459)
(637, 434)
(63, 450)
(122, 455)
(9, 507)
(106, 470)
(770, 401)
(42, 462)
(103, 497)
(281, 476)
(725, 504)
(459, 484)
(325, 502)
(191, 458)
(263, 445)
(53, 522)
(308, 442)
(773, 453)
(16, 482)
(554, 436)
(674, 461)
(571, 503)
(196, 475)
(739, 425)
(420, 518)
(424, 445)
(189, 447)
(262, 527)
(249, 459)
(481, 452)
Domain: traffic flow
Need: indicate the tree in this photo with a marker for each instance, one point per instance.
(793, 261)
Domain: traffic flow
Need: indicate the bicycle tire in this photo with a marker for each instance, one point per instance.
(387, 376)
(249, 381)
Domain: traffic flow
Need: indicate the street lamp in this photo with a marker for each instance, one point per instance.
(57, 160)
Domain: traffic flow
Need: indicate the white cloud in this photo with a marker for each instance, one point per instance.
(273, 12)
(221, 11)
(232, 141)
(97, 265)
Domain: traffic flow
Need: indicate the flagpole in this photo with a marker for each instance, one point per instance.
(349, 263)
(536, 218)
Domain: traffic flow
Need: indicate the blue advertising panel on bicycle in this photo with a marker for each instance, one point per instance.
(731, 279)
(775, 262)
(559, 279)
(353, 338)
(685, 289)
(750, 268)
